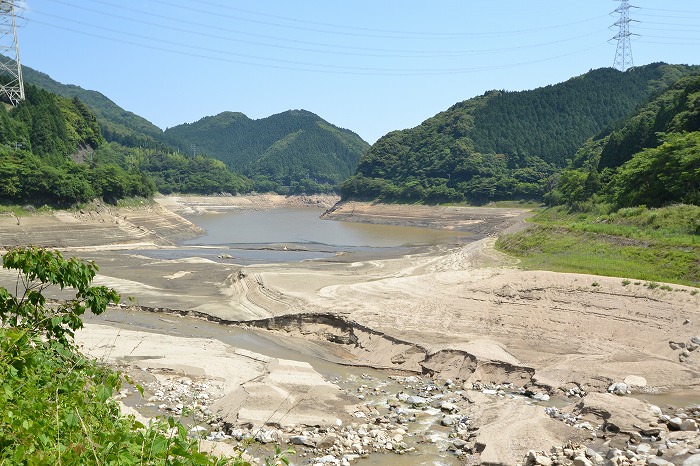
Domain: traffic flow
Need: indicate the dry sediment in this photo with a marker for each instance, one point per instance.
(464, 313)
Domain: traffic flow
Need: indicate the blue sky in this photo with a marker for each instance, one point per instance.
(371, 66)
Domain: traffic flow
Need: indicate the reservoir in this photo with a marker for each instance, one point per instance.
(291, 235)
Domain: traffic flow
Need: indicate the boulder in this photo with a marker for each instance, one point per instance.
(689, 425)
(619, 388)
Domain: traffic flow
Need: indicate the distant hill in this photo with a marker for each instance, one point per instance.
(117, 124)
(295, 150)
(504, 145)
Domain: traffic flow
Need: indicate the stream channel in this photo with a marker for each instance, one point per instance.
(290, 235)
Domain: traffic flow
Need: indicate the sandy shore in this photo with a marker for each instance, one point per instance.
(466, 314)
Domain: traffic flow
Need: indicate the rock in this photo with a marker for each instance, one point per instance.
(635, 381)
(619, 388)
(656, 461)
(582, 461)
(655, 410)
(459, 443)
(594, 456)
(635, 438)
(416, 400)
(651, 432)
(695, 340)
(693, 460)
(675, 423)
(328, 459)
(689, 425)
(643, 449)
(301, 440)
(449, 407)
(540, 397)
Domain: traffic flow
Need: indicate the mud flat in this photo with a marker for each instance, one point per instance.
(559, 364)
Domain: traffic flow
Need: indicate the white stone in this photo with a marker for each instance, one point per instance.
(635, 381)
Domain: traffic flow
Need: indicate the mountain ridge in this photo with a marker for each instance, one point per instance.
(503, 145)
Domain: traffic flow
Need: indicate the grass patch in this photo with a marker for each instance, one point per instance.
(23, 211)
(654, 245)
(135, 202)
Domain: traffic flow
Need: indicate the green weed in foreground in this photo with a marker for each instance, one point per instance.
(656, 245)
(57, 405)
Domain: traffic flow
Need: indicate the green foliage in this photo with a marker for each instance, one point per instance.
(292, 152)
(652, 158)
(57, 404)
(173, 172)
(662, 175)
(39, 269)
(506, 145)
(44, 144)
(647, 244)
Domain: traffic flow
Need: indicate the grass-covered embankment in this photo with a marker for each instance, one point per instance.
(645, 244)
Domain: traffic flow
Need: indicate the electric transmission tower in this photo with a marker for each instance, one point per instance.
(623, 54)
(13, 89)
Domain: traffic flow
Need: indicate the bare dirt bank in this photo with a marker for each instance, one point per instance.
(463, 313)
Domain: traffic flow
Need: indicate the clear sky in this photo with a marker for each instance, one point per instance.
(371, 66)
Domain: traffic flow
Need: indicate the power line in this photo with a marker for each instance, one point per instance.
(306, 67)
(362, 52)
(284, 62)
(356, 31)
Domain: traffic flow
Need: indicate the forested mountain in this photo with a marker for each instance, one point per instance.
(651, 158)
(116, 123)
(46, 148)
(504, 145)
(294, 151)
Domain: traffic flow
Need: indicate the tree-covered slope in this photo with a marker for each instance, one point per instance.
(47, 143)
(651, 158)
(296, 150)
(116, 123)
(504, 145)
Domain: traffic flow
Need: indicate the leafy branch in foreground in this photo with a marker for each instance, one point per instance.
(57, 405)
(37, 270)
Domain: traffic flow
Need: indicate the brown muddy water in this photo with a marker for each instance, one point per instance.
(292, 235)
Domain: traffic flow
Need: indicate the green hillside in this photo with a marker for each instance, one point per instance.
(629, 203)
(504, 145)
(651, 158)
(294, 151)
(47, 155)
(116, 123)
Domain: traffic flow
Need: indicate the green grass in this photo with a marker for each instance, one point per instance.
(656, 245)
(21, 211)
(135, 202)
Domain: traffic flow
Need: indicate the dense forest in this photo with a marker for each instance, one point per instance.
(53, 152)
(504, 145)
(291, 152)
(651, 158)
(620, 138)
(46, 143)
